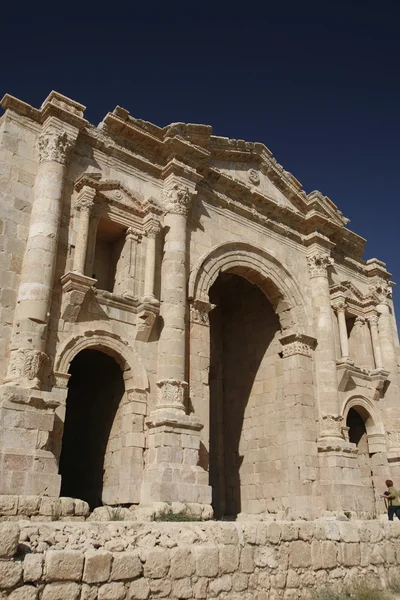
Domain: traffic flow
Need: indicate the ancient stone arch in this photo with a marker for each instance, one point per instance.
(258, 266)
(367, 411)
(135, 375)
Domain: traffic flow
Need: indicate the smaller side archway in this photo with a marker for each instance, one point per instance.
(135, 375)
(365, 429)
(99, 431)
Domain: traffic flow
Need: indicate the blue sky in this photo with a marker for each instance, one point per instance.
(317, 82)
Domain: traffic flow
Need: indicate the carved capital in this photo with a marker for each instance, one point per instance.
(171, 394)
(177, 199)
(339, 305)
(360, 321)
(332, 426)
(393, 439)
(54, 146)
(27, 367)
(152, 227)
(85, 199)
(133, 234)
(382, 291)
(318, 264)
(297, 343)
(199, 312)
(373, 320)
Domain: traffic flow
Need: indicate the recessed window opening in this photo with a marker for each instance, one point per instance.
(110, 239)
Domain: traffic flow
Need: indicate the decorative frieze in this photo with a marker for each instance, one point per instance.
(297, 343)
(54, 146)
(318, 264)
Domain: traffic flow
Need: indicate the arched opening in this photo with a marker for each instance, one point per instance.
(245, 381)
(96, 388)
(356, 421)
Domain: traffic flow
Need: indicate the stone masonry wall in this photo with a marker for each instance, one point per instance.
(230, 561)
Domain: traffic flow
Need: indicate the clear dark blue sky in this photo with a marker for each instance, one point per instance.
(317, 82)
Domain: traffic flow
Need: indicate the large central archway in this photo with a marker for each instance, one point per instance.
(244, 369)
(241, 365)
(96, 388)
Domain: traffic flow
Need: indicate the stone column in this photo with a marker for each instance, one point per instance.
(340, 308)
(376, 347)
(389, 358)
(172, 385)
(153, 228)
(84, 205)
(27, 352)
(327, 384)
(362, 347)
(172, 472)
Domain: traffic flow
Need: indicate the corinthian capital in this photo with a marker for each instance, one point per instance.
(54, 146)
(177, 199)
(318, 264)
(86, 198)
(382, 291)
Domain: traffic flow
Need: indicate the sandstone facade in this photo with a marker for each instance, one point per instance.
(181, 322)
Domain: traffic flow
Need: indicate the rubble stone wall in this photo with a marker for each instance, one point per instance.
(139, 561)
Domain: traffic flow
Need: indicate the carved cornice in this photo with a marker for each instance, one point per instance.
(55, 146)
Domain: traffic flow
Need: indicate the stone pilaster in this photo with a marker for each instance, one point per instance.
(300, 422)
(376, 347)
(172, 470)
(327, 386)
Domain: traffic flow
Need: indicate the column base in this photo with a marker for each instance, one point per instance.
(27, 465)
(172, 473)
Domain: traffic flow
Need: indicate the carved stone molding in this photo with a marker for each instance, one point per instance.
(54, 146)
(373, 320)
(27, 367)
(177, 199)
(171, 394)
(74, 289)
(146, 317)
(152, 227)
(318, 264)
(297, 343)
(199, 312)
(393, 440)
(61, 379)
(331, 426)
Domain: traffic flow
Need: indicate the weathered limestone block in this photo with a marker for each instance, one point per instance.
(220, 584)
(182, 588)
(300, 554)
(323, 554)
(207, 560)
(228, 558)
(265, 556)
(97, 566)
(64, 565)
(139, 589)
(61, 591)
(126, 566)
(33, 567)
(182, 563)
(157, 563)
(111, 591)
(246, 560)
(26, 592)
(349, 554)
(160, 588)
(10, 573)
(9, 538)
